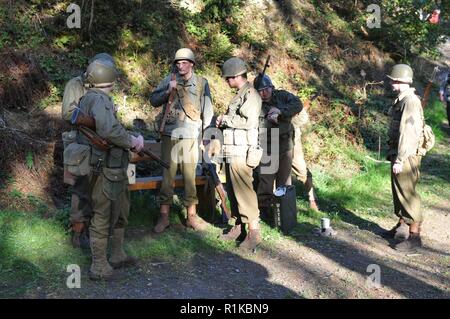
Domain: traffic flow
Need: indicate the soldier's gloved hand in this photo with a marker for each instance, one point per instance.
(137, 143)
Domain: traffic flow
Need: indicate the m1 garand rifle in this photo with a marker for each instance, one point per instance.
(168, 106)
(209, 170)
(427, 91)
(261, 75)
(86, 125)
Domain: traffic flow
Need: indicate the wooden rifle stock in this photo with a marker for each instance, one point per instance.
(103, 144)
(169, 103)
(427, 91)
(153, 156)
(210, 171)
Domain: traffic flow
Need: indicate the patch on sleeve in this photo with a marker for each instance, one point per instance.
(410, 120)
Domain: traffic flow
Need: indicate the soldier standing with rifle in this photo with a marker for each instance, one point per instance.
(80, 210)
(405, 135)
(108, 174)
(240, 132)
(278, 108)
(187, 99)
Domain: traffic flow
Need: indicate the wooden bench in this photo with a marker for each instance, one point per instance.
(206, 195)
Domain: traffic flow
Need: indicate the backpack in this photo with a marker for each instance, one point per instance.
(428, 140)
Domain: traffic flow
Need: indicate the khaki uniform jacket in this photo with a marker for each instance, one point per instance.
(178, 117)
(406, 128)
(73, 92)
(241, 122)
(244, 109)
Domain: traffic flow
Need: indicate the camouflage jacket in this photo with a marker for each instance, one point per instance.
(406, 126)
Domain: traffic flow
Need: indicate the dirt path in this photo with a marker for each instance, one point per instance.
(300, 266)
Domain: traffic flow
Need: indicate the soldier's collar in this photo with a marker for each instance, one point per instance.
(404, 94)
(191, 81)
(245, 87)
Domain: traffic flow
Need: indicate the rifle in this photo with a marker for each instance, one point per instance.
(261, 75)
(169, 103)
(86, 125)
(427, 91)
(209, 170)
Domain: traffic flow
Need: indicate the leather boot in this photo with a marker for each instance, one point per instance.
(100, 268)
(194, 221)
(413, 242)
(118, 257)
(252, 240)
(80, 238)
(233, 234)
(402, 231)
(163, 219)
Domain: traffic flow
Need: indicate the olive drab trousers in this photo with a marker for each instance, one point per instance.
(110, 204)
(242, 196)
(406, 199)
(182, 154)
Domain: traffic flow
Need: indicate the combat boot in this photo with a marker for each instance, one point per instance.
(233, 234)
(252, 240)
(163, 219)
(413, 242)
(119, 258)
(194, 221)
(100, 268)
(80, 238)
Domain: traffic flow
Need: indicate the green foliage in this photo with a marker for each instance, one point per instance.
(220, 48)
(29, 160)
(403, 30)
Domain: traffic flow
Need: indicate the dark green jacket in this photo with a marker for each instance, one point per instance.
(289, 105)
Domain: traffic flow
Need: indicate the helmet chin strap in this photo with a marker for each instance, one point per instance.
(103, 85)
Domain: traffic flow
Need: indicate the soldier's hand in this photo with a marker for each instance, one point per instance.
(441, 96)
(397, 168)
(137, 143)
(274, 110)
(273, 117)
(172, 86)
(219, 120)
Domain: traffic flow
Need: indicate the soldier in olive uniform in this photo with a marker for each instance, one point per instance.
(405, 135)
(80, 211)
(191, 109)
(108, 177)
(240, 132)
(278, 108)
(299, 167)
